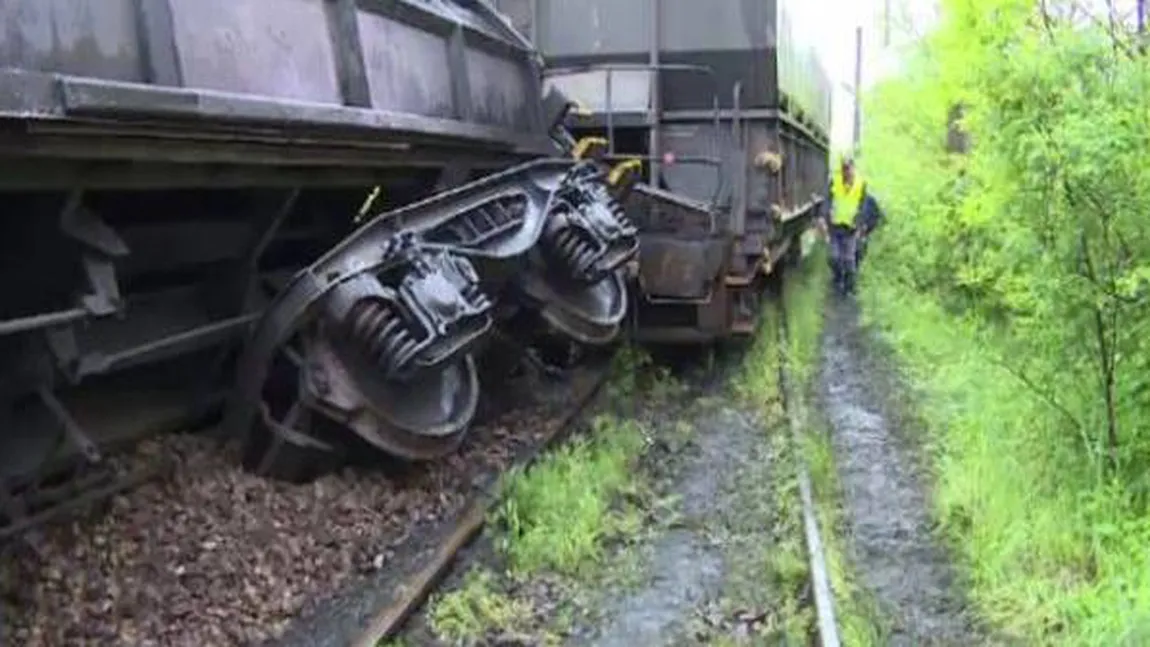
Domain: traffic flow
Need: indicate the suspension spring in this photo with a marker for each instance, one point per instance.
(576, 246)
(473, 293)
(620, 214)
(382, 333)
(575, 251)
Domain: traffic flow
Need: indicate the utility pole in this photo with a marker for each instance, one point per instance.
(858, 86)
(886, 23)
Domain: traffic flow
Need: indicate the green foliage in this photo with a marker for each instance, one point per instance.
(559, 512)
(1034, 246)
(467, 615)
(635, 376)
(804, 294)
(1054, 555)
(804, 297)
(1040, 228)
(757, 381)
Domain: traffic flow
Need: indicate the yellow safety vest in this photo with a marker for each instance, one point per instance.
(846, 200)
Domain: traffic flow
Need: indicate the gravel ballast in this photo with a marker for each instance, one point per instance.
(210, 555)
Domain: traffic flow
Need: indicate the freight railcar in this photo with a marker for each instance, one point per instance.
(726, 115)
(320, 211)
(181, 179)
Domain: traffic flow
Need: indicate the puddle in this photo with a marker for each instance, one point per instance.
(895, 555)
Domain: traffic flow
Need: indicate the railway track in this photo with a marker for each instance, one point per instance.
(385, 558)
(826, 626)
(414, 591)
(207, 554)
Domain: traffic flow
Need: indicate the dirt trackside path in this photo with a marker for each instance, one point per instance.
(697, 543)
(894, 553)
(691, 567)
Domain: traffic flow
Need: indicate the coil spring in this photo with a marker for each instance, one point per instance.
(620, 215)
(382, 333)
(578, 254)
(581, 254)
(474, 295)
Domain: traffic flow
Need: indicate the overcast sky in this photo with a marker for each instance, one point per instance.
(833, 25)
(830, 24)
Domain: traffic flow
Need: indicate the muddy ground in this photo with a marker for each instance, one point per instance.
(876, 442)
(724, 563)
(698, 571)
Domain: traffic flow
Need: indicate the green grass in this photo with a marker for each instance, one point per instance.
(555, 519)
(1055, 555)
(635, 377)
(478, 608)
(558, 515)
(776, 566)
(805, 294)
(559, 518)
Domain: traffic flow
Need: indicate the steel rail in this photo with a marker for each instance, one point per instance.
(827, 625)
(414, 590)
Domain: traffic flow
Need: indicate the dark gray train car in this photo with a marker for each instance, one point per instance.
(729, 116)
(166, 166)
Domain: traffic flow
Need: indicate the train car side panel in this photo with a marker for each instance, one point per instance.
(73, 37)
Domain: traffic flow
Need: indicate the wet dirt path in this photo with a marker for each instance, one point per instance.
(686, 566)
(894, 553)
(697, 567)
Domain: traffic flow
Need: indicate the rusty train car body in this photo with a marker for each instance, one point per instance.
(321, 212)
(725, 113)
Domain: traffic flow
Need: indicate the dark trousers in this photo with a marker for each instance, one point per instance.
(845, 255)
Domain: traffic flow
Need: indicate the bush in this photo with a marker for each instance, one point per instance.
(1015, 276)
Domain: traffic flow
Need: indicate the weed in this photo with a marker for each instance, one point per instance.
(467, 615)
(558, 514)
(634, 373)
(558, 519)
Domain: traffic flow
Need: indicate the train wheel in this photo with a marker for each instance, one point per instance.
(320, 387)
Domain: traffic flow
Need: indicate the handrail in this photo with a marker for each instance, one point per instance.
(716, 121)
(738, 140)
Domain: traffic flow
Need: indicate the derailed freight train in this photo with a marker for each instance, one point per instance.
(187, 186)
(725, 114)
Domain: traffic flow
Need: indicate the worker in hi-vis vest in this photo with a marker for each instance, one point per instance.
(848, 217)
